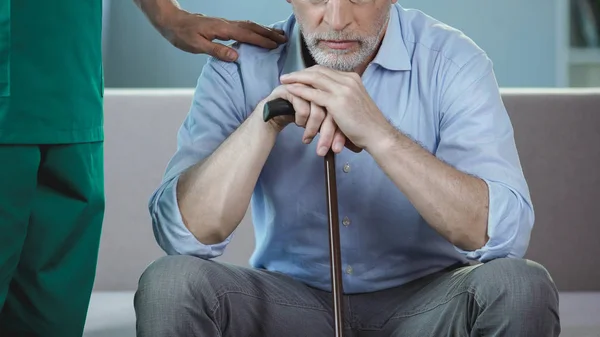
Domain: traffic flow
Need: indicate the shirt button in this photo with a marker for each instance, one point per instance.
(349, 270)
(346, 168)
(346, 221)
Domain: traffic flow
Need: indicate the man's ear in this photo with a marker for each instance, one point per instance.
(394, 1)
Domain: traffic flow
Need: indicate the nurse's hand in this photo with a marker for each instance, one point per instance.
(194, 33)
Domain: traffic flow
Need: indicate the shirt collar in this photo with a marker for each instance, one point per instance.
(293, 58)
(392, 53)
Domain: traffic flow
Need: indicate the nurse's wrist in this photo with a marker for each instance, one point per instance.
(170, 13)
(163, 14)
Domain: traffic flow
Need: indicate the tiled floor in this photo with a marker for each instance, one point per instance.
(112, 315)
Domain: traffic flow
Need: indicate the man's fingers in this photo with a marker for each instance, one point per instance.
(339, 140)
(301, 107)
(329, 73)
(326, 136)
(316, 117)
(315, 79)
(309, 94)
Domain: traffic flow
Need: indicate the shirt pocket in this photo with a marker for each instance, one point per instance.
(4, 48)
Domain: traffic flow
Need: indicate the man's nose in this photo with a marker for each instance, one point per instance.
(338, 14)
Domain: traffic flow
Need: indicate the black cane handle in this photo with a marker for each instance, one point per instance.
(277, 107)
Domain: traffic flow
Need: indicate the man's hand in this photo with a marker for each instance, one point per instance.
(312, 118)
(344, 97)
(194, 33)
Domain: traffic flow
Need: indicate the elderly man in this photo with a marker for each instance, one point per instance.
(429, 178)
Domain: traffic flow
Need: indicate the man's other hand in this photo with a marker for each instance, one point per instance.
(195, 33)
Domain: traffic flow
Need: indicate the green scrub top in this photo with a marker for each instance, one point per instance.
(51, 75)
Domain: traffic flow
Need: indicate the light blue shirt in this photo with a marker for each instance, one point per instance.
(435, 85)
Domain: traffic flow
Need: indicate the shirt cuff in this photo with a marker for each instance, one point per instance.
(170, 232)
(510, 221)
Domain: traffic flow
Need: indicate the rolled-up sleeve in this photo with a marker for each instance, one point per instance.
(216, 111)
(476, 137)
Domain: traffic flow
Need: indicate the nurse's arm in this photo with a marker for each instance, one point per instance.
(195, 33)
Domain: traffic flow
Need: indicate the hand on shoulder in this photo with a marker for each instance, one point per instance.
(195, 33)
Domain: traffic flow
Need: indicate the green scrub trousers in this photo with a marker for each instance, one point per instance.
(51, 164)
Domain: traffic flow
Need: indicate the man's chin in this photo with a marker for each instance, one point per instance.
(337, 65)
(335, 59)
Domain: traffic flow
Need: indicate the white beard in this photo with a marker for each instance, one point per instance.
(340, 59)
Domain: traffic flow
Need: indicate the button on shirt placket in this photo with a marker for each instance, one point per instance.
(346, 220)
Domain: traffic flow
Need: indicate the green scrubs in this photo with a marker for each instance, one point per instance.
(51, 171)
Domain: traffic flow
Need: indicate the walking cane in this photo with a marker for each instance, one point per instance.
(279, 107)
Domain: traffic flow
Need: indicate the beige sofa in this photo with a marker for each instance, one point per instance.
(558, 137)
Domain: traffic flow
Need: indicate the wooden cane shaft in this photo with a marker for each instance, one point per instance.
(334, 244)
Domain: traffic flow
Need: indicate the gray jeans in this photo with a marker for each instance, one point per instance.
(187, 296)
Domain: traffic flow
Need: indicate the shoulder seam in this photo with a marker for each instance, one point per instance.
(459, 71)
(446, 57)
(434, 50)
